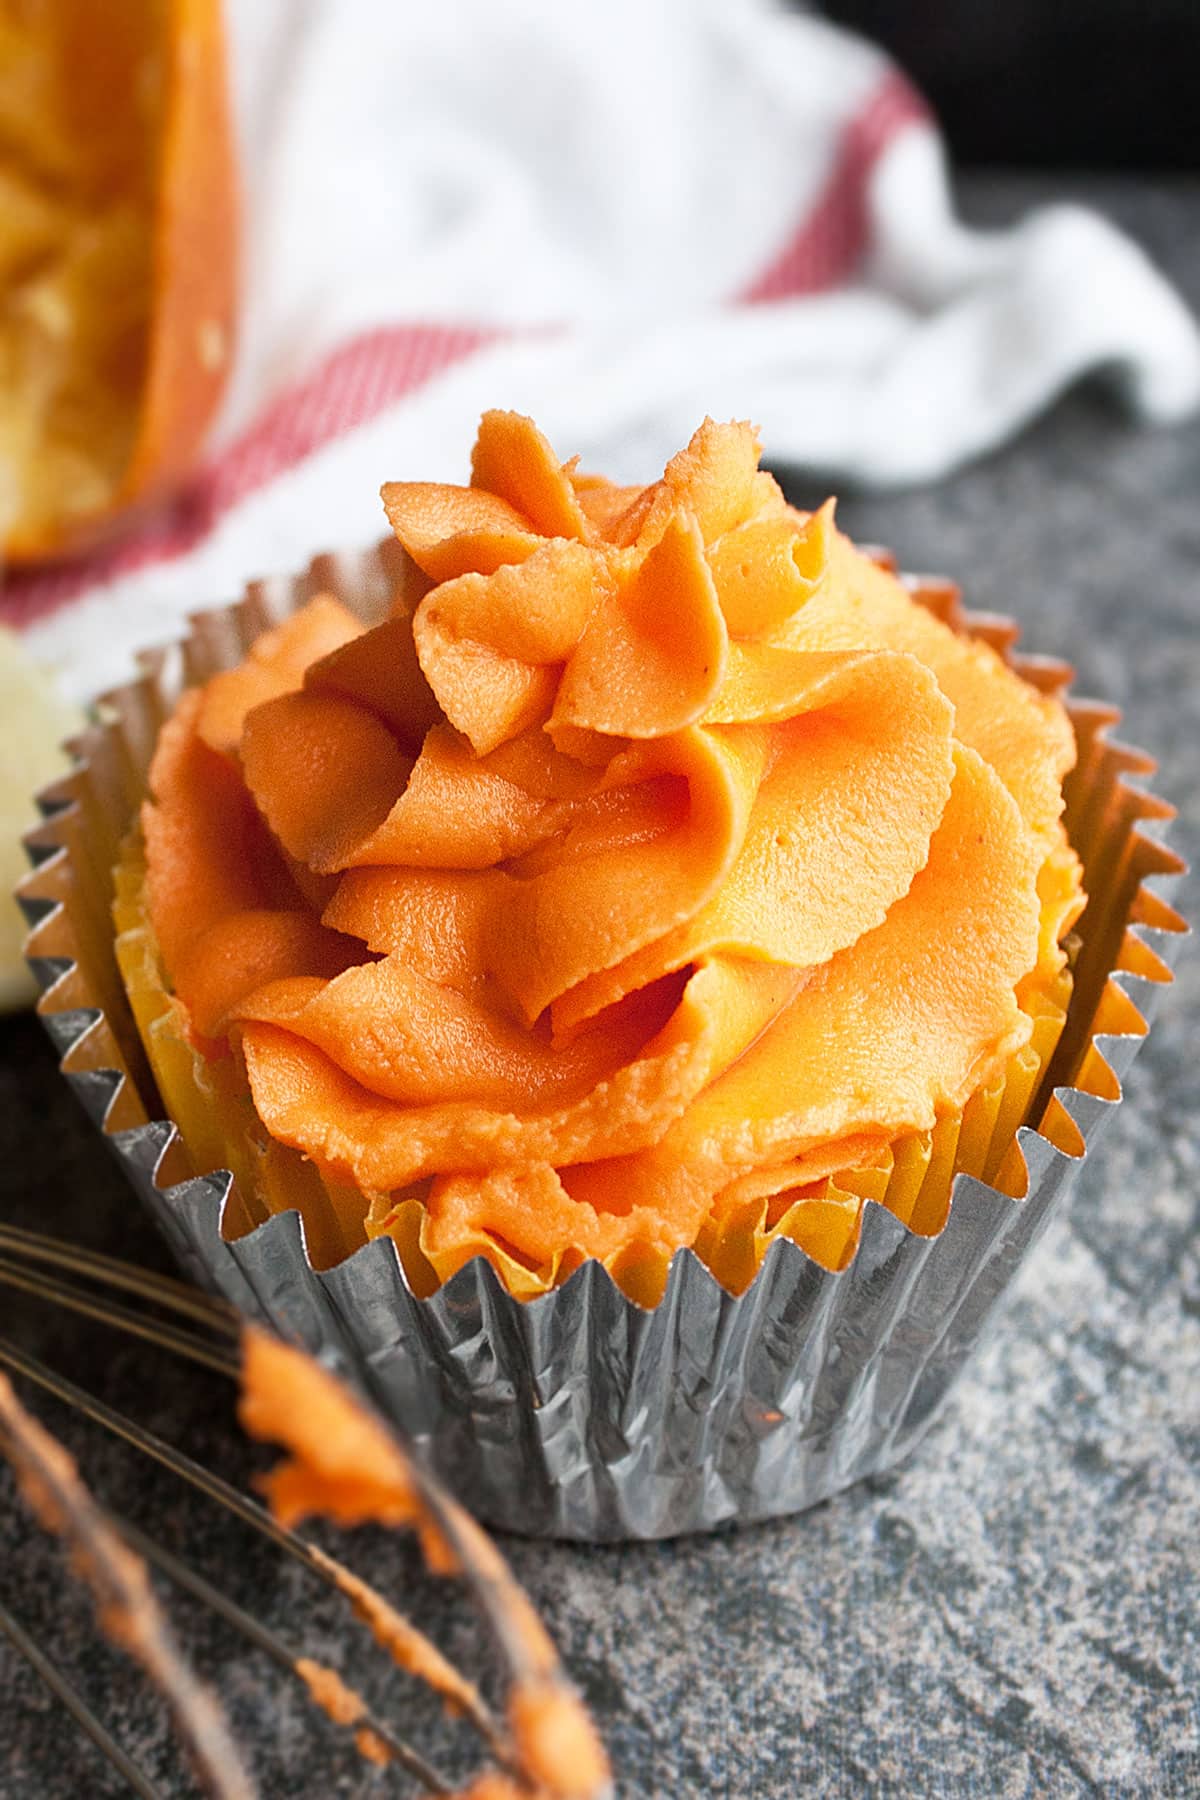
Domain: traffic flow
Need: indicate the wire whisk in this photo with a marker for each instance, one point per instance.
(540, 1743)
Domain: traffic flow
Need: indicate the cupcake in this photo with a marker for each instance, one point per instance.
(600, 967)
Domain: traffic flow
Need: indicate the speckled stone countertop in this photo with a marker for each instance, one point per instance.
(1016, 1612)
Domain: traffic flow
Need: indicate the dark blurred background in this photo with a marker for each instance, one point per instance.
(1062, 84)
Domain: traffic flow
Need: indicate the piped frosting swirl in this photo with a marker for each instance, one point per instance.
(656, 843)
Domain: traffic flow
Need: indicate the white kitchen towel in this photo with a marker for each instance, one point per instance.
(617, 217)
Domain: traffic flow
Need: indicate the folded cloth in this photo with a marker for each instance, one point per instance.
(617, 218)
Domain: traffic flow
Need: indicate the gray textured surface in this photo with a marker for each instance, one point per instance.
(1013, 1614)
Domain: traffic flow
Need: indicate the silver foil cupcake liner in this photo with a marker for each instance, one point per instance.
(581, 1414)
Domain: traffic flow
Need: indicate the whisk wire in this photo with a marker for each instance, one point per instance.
(215, 1487)
(146, 1284)
(272, 1646)
(220, 1359)
(490, 1595)
(72, 1700)
(124, 1599)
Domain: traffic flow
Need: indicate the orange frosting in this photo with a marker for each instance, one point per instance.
(342, 1463)
(658, 850)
